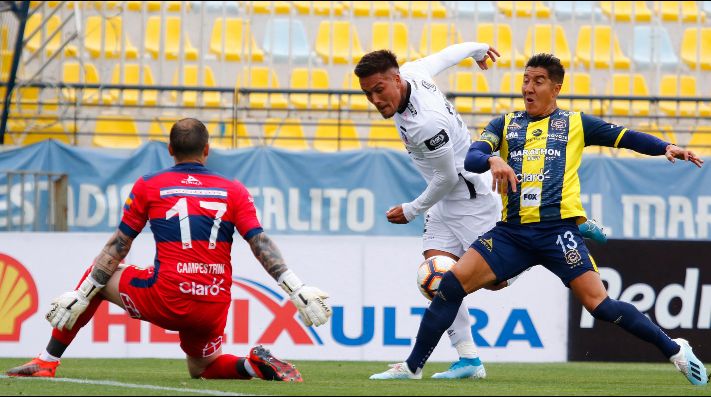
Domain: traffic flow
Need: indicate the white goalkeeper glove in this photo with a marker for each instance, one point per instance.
(66, 308)
(310, 301)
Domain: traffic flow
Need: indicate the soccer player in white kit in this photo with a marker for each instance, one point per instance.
(459, 205)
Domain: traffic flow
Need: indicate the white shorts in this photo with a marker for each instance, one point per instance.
(453, 225)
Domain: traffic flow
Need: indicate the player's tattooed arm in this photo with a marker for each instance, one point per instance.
(268, 255)
(111, 256)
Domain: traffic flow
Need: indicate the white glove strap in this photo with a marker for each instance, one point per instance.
(290, 282)
(89, 287)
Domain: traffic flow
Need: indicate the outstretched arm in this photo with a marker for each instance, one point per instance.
(452, 55)
(268, 254)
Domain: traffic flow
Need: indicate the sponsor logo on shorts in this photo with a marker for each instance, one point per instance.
(130, 307)
(573, 258)
(488, 243)
(195, 289)
(212, 347)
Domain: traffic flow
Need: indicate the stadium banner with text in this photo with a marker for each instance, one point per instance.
(372, 282)
(669, 281)
(348, 193)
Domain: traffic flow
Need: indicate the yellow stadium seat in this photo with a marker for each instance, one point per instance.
(113, 31)
(119, 132)
(471, 83)
(393, 37)
(4, 41)
(239, 43)
(30, 100)
(357, 101)
(171, 44)
(261, 77)
(670, 86)
(190, 79)
(71, 73)
(601, 56)
(338, 42)
(49, 26)
(315, 79)
(626, 11)
(131, 76)
(285, 134)
(697, 44)
(524, 9)
(267, 7)
(501, 37)
(221, 135)
(333, 135)
(628, 85)
(319, 7)
(154, 6)
(368, 8)
(29, 131)
(420, 9)
(700, 142)
(438, 36)
(540, 39)
(5, 64)
(511, 84)
(50, 4)
(582, 85)
(664, 132)
(383, 134)
(686, 11)
(159, 127)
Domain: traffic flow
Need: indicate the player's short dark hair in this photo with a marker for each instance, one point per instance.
(551, 63)
(376, 62)
(188, 138)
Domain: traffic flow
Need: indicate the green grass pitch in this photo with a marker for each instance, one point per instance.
(351, 378)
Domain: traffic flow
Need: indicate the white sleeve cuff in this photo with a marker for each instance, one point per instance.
(409, 211)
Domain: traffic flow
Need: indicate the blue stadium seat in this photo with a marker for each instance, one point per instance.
(285, 38)
(215, 7)
(564, 10)
(653, 46)
(707, 7)
(483, 10)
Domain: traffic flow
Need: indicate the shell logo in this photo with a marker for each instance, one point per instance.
(18, 298)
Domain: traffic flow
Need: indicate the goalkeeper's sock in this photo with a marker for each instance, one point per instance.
(438, 317)
(227, 366)
(67, 336)
(636, 323)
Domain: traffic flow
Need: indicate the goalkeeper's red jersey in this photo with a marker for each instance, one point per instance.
(193, 213)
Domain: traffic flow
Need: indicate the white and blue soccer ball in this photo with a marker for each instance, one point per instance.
(430, 274)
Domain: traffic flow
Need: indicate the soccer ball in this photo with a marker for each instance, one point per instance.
(430, 273)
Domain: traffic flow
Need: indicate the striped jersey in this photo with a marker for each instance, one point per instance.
(545, 153)
(193, 214)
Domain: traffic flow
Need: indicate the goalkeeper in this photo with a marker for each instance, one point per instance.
(193, 214)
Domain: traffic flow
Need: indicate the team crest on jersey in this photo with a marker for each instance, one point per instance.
(437, 141)
(537, 132)
(191, 180)
(559, 124)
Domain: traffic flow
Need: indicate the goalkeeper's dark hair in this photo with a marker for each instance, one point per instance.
(376, 62)
(551, 63)
(188, 138)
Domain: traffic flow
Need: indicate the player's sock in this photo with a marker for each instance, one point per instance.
(46, 356)
(460, 334)
(226, 366)
(636, 323)
(438, 317)
(62, 339)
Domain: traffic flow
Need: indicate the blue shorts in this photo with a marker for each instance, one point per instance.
(510, 249)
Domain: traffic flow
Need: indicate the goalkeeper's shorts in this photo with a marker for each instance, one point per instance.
(200, 325)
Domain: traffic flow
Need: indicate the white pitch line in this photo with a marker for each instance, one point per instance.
(126, 385)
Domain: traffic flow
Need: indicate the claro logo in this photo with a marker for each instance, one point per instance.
(647, 300)
(18, 298)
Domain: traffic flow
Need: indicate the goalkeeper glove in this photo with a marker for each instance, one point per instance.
(66, 308)
(310, 301)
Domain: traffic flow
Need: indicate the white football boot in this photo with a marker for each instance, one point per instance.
(397, 371)
(687, 363)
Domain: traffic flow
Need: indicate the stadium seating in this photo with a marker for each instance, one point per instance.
(394, 37)
(501, 37)
(671, 86)
(132, 76)
(222, 135)
(580, 10)
(700, 142)
(29, 131)
(511, 84)
(628, 85)
(112, 46)
(357, 101)
(438, 36)
(338, 42)
(652, 47)
(116, 131)
(334, 135)
(261, 77)
(524, 9)
(317, 79)
(696, 48)
(319, 7)
(706, 5)
(190, 79)
(420, 9)
(154, 6)
(266, 7)
(368, 8)
(36, 24)
(285, 134)
(4, 41)
(285, 39)
(215, 7)
(479, 10)
(582, 85)
(383, 134)
(541, 38)
(606, 51)
(663, 132)
(159, 127)
(684, 11)
(172, 39)
(474, 83)
(627, 11)
(72, 73)
(232, 40)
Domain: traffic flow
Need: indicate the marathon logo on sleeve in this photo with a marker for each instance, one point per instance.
(437, 141)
